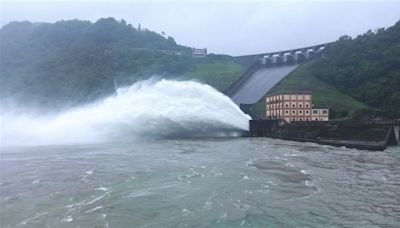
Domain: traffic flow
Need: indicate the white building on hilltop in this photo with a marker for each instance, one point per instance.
(199, 53)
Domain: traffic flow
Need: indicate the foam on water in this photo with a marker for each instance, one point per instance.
(151, 108)
(69, 218)
(101, 189)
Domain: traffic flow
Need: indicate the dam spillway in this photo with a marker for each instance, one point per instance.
(259, 83)
(265, 70)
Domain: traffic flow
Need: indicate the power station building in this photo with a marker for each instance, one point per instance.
(294, 106)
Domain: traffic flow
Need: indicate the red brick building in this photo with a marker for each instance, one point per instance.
(294, 106)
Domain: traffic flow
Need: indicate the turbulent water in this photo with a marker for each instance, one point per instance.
(147, 109)
(237, 182)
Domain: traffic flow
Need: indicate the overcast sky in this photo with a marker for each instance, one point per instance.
(229, 27)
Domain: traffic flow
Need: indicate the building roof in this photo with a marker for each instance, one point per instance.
(289, 93)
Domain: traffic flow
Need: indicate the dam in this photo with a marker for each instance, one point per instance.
(265, 70)
(260, 82)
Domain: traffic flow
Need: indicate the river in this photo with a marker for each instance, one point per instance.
(226, 182)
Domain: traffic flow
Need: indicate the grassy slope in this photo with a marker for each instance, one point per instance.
(324, 95)
(219, 74)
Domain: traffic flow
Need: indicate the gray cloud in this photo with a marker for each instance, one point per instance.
(234, 28)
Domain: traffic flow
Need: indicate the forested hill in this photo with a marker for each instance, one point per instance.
(69, 62)
(367, 67)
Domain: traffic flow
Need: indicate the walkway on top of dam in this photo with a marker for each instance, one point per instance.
(257, 84)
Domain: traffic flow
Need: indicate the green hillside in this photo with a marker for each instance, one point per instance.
(324, 95)
(219, 74)
(62, 64)
(71, 62)
(366, 68)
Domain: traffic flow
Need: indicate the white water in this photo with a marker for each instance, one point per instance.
(146, 109)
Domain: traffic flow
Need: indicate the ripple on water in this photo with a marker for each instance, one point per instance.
(285, 172)
(288, 182)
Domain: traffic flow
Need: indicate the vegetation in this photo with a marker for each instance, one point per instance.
(71, 62)
(324, 95)
(367, 68)
(219, 74)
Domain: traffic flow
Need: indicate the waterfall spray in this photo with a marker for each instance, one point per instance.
(150, 109)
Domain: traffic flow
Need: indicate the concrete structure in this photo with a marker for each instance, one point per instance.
(266, 70)
(256, 82)
(372, 135)
(199, 53)
(292, 56)
(321, 114)
(294, 106)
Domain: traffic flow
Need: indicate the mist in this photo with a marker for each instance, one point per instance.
(147, 109)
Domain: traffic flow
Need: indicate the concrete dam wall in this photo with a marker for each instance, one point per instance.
(259, 83)
(266, 70)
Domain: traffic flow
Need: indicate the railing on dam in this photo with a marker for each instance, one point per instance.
(291, 56)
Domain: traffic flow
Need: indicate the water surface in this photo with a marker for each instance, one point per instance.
(242, 182)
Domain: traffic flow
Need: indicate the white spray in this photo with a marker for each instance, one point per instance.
(146, 109)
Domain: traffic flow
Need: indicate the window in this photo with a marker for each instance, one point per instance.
(306, 119)
(293, 105)
(306, 105)
(300, 112)
(287, 105)
(294, 112)
(293, 119)
(301, 119)
(300, 105)
(324, 111)
(307, 111)
(286, 111)
(314, 111)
